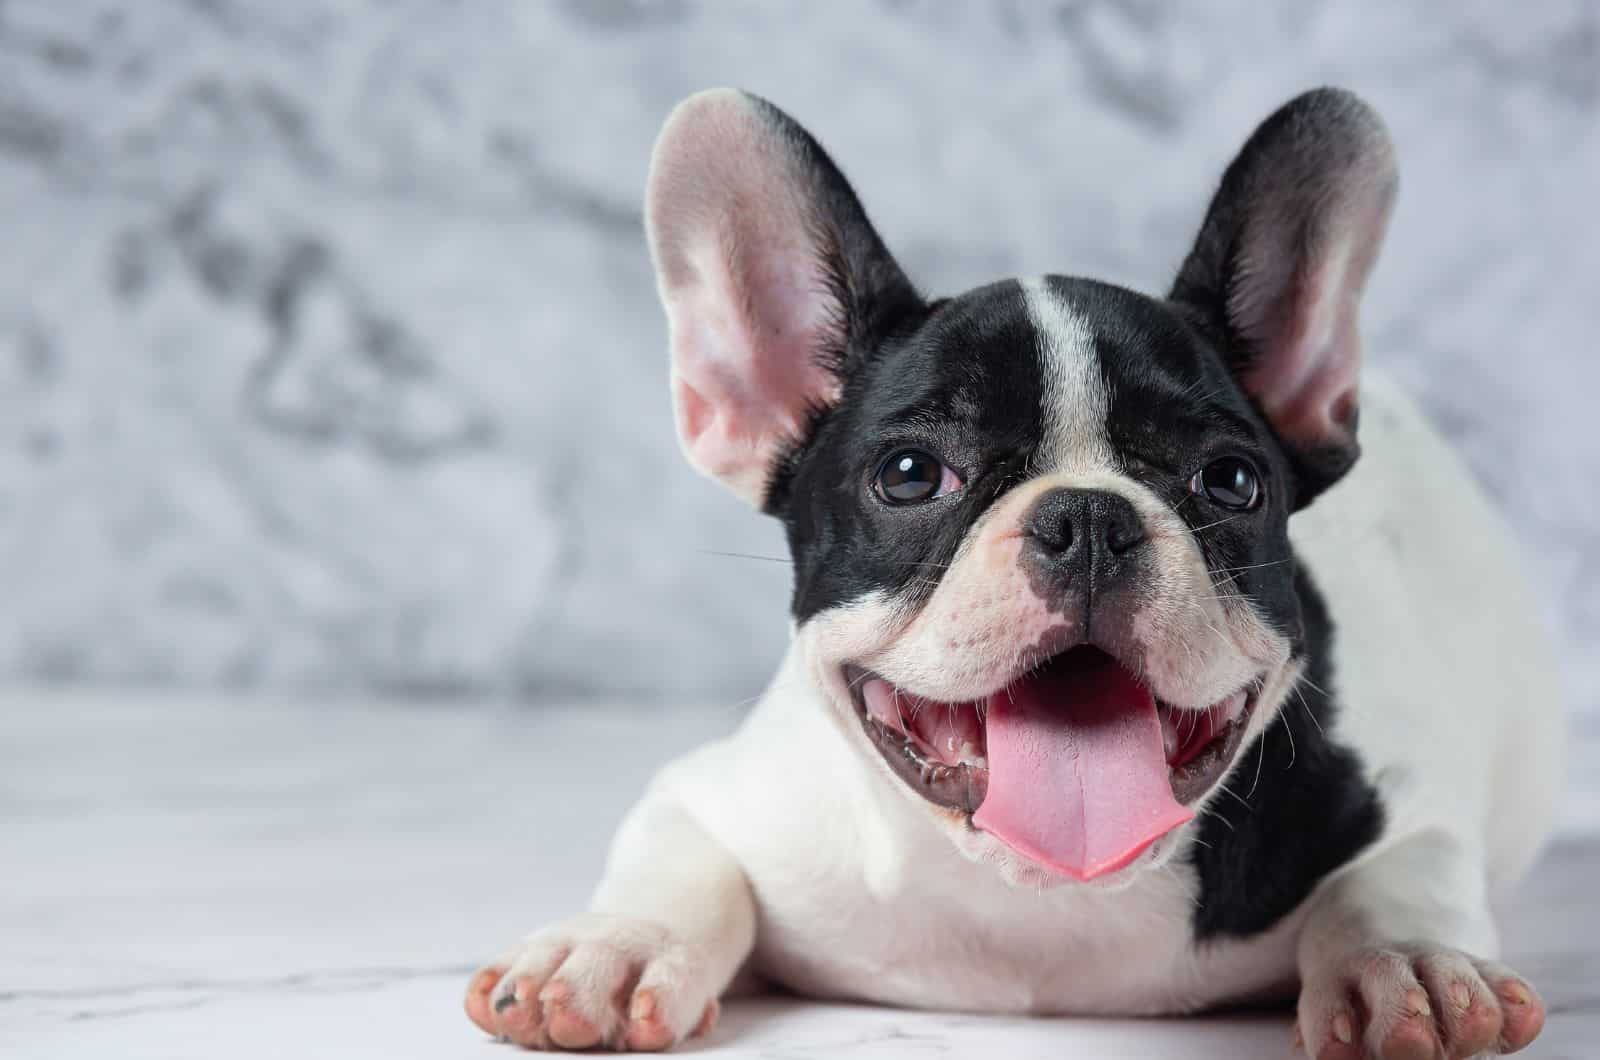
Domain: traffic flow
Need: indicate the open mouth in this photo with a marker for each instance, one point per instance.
(1075, 764)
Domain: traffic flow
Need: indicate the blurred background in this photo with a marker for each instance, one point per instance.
(330, 361)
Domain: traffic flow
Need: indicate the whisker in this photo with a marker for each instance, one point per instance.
(743, 703)
(1253, 566)
(1191, 391)
(1301, 696)
(1219, 522)
(1226, 640)
(1194, 899)
(1234, 795)
(1261, 756)
(744, 555)
(1294, 754)
(1315, 687)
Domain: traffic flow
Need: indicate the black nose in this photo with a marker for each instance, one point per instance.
(1089, 527)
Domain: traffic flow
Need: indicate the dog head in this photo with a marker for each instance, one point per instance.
(1041, 563)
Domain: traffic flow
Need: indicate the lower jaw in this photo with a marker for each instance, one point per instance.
(961, 787)
(956, 787)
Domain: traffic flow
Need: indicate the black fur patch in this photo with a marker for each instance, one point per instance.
(963, 381)
(1303, 808)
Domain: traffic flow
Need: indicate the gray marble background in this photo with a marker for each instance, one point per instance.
(330, 360)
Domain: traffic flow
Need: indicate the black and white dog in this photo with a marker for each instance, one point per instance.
(1089, 707)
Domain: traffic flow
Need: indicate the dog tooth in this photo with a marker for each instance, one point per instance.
(878, 695)
(1169, 733)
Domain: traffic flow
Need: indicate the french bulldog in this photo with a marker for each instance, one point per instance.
(1117, 684)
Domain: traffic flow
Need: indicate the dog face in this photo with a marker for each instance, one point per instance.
(1046, 475)
(1042, 568)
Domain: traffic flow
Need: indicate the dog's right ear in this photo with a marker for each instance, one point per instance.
(772, 278)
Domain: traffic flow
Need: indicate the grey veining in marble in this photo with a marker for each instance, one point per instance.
(329, 356)
(188, 880)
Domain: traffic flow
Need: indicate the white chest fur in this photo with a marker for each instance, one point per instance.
(858, 897)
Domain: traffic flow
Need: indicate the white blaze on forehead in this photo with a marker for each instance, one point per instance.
(1074, 398)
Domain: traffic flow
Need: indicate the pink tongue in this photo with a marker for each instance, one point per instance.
(1077, 772)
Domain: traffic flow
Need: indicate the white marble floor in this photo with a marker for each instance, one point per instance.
(268, 880)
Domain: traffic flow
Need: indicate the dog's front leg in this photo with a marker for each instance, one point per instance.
(1393, 963)
(670, 925)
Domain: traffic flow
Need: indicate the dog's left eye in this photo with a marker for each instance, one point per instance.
(1230, 482)
(911, 476)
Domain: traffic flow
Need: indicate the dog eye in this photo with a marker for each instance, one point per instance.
(911, 476)
(1230, 482)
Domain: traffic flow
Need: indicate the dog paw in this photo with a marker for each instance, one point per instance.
(1415, 1002)
(596, 982)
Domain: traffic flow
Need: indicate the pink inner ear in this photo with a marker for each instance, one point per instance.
(750, 310)
(746, 345)
(1299, 305)
(1308, 377)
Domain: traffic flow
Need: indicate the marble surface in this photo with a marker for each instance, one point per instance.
(330, 358)
(201, 879)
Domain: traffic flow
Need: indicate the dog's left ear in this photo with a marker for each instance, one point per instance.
(1280, 263)
(772, 277)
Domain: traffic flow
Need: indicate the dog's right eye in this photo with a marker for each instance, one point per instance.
(911, 476)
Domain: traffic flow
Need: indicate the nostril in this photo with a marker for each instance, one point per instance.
(1057, 537)
(1051, 522)
(1123, 534)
